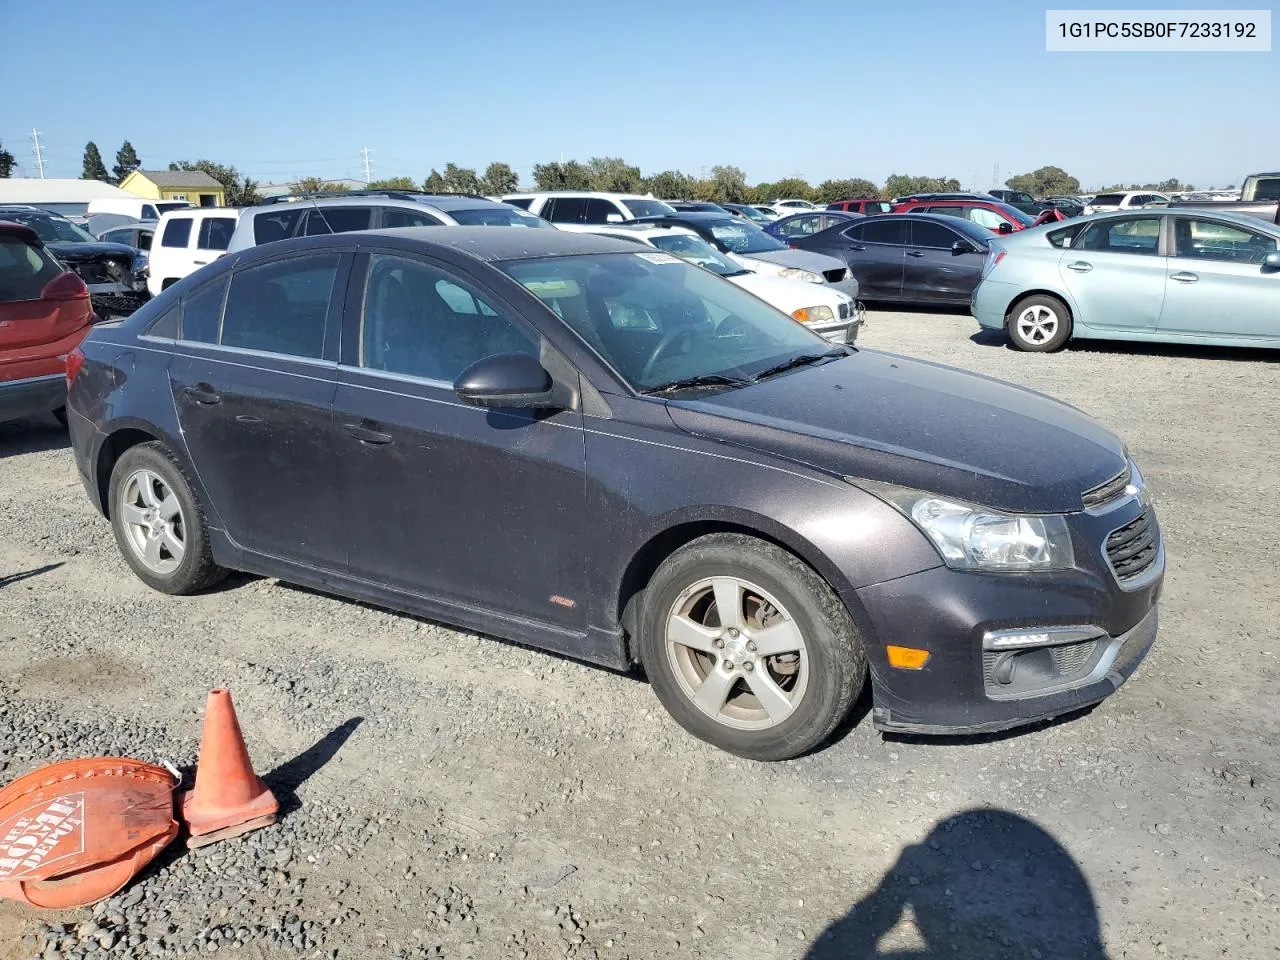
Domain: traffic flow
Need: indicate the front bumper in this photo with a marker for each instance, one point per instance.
(955, 615)
(843, 329)
(117, 299)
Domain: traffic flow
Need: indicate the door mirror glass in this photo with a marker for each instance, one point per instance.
(962, 247)
(506, 380)
(1271, 261)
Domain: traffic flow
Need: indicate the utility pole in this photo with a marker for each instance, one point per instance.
(995, 175)
(368, 179)
(35, 139)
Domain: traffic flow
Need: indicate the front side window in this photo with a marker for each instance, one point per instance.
(889, 230)
(698, 252)
(985, 218)
(656, 319)
(739, 236)
(215, 233)
(400, 217)
(322, 220)
(177, 232)
(1210, 240)
(933, 236)
(802, 226)
(1139, 235)
(420, 321)
(498, 215)
(643, 207)
(566, 209)
(202, 312)
(119, 236)
(600, 210)
(280, 307)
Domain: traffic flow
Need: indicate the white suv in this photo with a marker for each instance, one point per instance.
(573, 206)
(186, 240)
(1131, 199)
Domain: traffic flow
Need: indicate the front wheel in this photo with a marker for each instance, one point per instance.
(1039, 324)
(748, 648)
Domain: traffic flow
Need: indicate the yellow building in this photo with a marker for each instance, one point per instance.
(194, 186)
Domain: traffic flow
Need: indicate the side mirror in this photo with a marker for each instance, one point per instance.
(613, 218)
(1005, 227)
(961, 247)
(1271, 262)
(514, 380)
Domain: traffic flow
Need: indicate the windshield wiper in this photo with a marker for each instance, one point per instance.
(737, 273)
(703, 380)
(800, 361)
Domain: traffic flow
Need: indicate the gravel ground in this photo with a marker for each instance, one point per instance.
(446, 795)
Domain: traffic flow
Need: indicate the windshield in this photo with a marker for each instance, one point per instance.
(497, 216)
(698, 252)
(641, 207)
(751, 213)
(52, 229)
(656, 319)
(739, 236)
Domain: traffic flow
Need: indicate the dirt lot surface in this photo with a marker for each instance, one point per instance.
(447, 795)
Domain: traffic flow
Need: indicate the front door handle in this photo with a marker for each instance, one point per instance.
(367, 435)
(858, 246)
(914, 253)
(1080, 266)
(1184, 277)
(203, 394)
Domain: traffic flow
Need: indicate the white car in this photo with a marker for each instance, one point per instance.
(785, 208)
(1130, 199)
(830, 312)
(187, 239)
(589, 207)
(136, 208)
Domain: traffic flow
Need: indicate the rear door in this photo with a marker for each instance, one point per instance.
(876, 253)
(1218, 283)
(931, 271)
(253, 386)
(1115, 272)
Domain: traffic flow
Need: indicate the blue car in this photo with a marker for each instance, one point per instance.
(1155, 274)
(807, 223)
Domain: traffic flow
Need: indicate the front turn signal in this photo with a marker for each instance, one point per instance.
(907, 658)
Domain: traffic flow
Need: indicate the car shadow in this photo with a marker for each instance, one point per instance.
(884, 306)
(32, 435)
(984, 884)
(997, 338)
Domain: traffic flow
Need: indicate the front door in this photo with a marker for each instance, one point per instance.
(1219, 284)
(1116, 274)
(875, 250)
(254, 392)
(933, 271)
(483, 508)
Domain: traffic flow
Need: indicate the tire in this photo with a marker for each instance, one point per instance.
(773, 589)
(61, 415)
(154, 512)
(1039, 324)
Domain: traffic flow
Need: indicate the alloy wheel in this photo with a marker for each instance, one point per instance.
(737, 653)
(1037, 324)
(153, 523)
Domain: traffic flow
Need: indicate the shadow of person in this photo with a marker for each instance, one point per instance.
(285, 779)
(984, 884)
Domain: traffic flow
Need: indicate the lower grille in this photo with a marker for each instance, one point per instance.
(846, 310)
(1031, 672)
(1070, 657)
(834, 276)
(1132, 549)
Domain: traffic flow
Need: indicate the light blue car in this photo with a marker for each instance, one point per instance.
(1175, 276)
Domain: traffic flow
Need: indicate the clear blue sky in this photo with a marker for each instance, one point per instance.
(818, 88)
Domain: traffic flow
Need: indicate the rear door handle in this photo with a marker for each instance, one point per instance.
(858, 246)
(1080, 266)
(367, 435)
(203, 394)
(914, 253)
(1184, 277)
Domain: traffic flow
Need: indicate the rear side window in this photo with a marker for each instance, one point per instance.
(276, 225)
(397, 217)
(324, 220)
(522, 202)
(24, 270)
(280, 307)
(889, 230)
(176, 232)
(215, 233)
(1139, 235)
(149, 212)
(168, 324)
(201, 313)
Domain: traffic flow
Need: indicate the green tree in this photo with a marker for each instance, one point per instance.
(788, 188)
(831, 190)
(729, 184)
(613, 175)
(904, 185)
(238, 191)
(93, 169)
(434, 182)
(394, 183)
(460, 179)
(1172, 185)
(1044, 182)
(570, 175)
(7, 163)
(671, 185)
(126, 161)
(498, 179)
(316, 185)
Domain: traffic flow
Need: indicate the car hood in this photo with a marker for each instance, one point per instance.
(70, 251)
(882, 417)
(803, 259)
(788, 295)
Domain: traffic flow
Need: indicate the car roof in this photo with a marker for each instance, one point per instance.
(822, 212)
(956, 223)
(580, 193)
(640, 229)
(501, 243)
(696, 216)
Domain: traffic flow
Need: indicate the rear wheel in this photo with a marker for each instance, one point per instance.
(159, 523)
(748, 648)
(1039, 324)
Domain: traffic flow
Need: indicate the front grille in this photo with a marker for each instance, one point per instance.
(1131, 549)
(1033, 671)
(1106, 491)
(834, 276)
(102, 271)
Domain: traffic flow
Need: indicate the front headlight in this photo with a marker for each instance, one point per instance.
(813, 314)
(795, 273)
(972, 537)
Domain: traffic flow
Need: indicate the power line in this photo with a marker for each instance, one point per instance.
(35, 139)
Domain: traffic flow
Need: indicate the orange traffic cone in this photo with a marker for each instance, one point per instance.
(228, 798)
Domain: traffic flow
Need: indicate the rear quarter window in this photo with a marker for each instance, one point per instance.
(276, 225)
(24, 270)
(1063, 237)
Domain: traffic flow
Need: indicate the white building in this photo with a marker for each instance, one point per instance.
(65, 196)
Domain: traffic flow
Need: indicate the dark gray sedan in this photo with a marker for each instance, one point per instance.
(605, 451)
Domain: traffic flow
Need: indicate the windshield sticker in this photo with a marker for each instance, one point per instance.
(658, 257)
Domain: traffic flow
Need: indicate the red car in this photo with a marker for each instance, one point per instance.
(995, 215)
(44, 314)
(862, 205)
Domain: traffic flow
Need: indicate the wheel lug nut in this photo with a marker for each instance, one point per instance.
(718, 643)
(733, 632)
(749, 665)
(728, 664)
(751, 646)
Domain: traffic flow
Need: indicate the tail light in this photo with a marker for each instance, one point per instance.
(75, 361)
(794, 246)
(65, 286)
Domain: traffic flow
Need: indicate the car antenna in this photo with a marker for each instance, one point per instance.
(316, 206)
